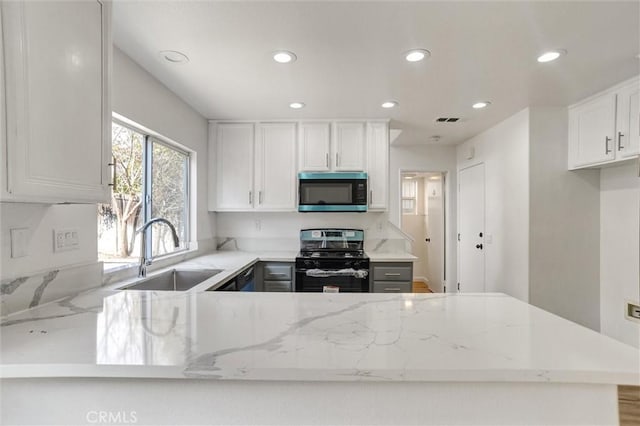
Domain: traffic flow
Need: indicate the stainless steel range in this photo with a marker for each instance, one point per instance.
(332, 257)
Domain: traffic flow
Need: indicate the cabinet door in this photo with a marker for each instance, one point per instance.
(592, 131)
(628, 118)
(313, 145)
(276, 166)
(56, 57)
(234, 166)
(348, 144)
(378, 164)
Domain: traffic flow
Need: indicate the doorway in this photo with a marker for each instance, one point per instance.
(422, 217)
(471, 217)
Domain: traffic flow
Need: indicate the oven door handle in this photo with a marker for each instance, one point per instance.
(321, 273)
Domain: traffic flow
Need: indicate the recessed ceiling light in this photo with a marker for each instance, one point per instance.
(296, 105)
(389, 104)
(434, 178)
(551, 55)
(174, 57)
(284, 57)
(416, 55)
(479, 105)
(408, 177)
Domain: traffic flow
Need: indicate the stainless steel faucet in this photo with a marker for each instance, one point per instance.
(144, 262)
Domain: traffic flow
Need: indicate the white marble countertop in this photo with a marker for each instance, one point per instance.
(308, 336)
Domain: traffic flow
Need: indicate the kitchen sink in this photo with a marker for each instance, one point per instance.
(173, 280)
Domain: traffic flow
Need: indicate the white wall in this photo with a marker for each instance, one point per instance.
(504, 150)
(564, 224)
(428, 158)
(619, 252)
(138, 96)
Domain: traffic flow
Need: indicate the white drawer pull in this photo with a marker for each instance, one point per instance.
(392, 289)
(394, 274)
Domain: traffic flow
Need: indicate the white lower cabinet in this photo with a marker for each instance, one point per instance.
(56, 62)
(604, 128)
(255, 166)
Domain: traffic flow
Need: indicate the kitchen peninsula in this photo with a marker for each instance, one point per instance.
(293, 358)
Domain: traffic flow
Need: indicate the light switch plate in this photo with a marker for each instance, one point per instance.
(19, 242)
(66, 239)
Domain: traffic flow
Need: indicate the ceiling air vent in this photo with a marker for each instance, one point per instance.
(447, 119)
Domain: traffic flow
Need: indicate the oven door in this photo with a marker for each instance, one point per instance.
(348, 280)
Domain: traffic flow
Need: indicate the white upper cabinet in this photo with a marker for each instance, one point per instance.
(234, 166)
(255, 166)
(337, 146)
(314, 143)
(57, 74)
(628, 122)
(378, 164)
(348, 144)
(275, 167)
(604, 128)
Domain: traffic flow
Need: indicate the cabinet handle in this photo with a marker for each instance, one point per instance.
(280, 274)
(607, 139)
(259, 197)
(392, 289)
(113, 164)
(337, 160)
(620, 135)
(326, 159)
(394, 274)
(250, 198)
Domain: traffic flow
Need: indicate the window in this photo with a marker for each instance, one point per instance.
(409, 196)
(151, 180)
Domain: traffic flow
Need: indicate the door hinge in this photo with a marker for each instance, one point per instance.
(458, 236)
(444, 289)
(458, 286)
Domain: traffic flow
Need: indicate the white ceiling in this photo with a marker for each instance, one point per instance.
(350, 57)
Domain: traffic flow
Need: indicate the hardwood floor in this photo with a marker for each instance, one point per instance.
(629, 405)
(420, 287)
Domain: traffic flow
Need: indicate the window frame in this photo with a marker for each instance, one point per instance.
(149, 138)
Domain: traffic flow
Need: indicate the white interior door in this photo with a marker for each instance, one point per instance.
(471, 216)
(435, 234)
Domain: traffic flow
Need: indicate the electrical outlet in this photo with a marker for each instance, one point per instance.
(66, 239)
(633, 311)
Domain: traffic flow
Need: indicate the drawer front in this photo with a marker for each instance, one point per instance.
(276, 272)
(391, 287)
(277, 286)
(392, 273)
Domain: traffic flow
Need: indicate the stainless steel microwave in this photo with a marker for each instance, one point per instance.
(332, 192)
